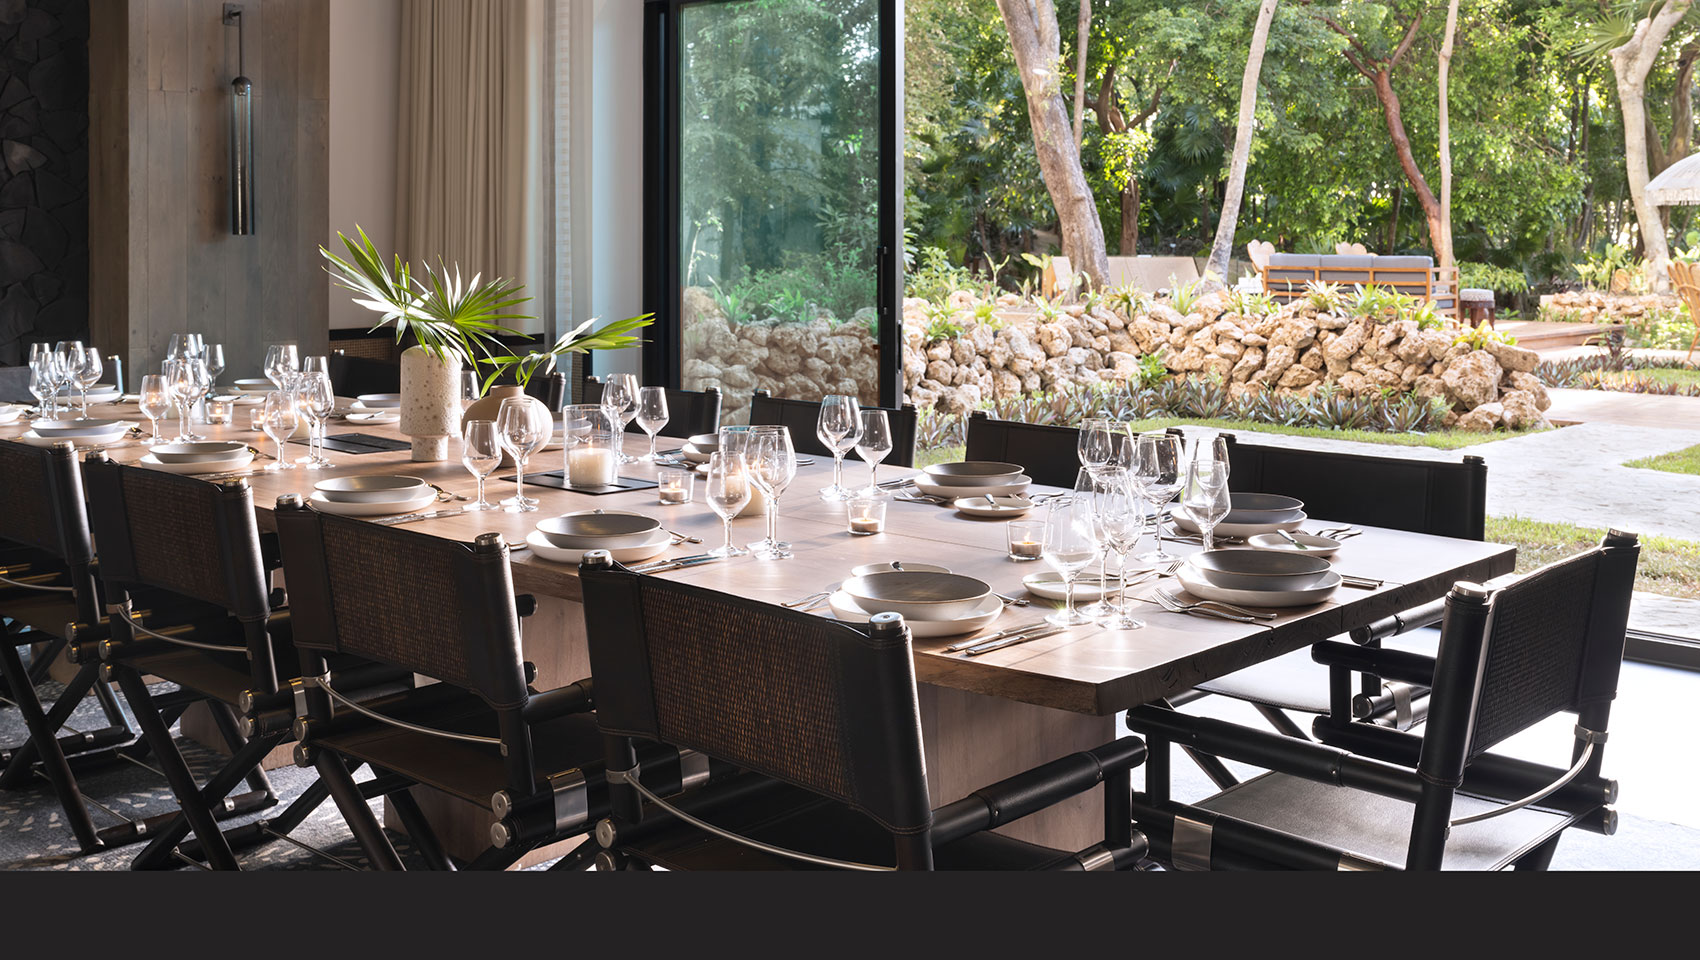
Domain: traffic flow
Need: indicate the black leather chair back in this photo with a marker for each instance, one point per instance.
(1050, 455)
(802, 416)
(358, 376)
(44, 521)
(689, 412)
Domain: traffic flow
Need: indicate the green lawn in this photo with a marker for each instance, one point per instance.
(1677, 375)
(1680, 461)
(1668, 566)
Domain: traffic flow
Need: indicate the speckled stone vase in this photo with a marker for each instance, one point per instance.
(430, 403)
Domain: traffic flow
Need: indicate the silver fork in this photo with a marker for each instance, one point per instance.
(812, 600)
(1214, 607)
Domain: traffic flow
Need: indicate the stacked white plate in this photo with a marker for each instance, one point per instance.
(933, 604)
(216, 456)
(699, 448)
(46, 433)
(371, 496)
(99, 393)
(628, 537)
(1251, 514)
(1258, 578)
(974, 478)
(254, 386)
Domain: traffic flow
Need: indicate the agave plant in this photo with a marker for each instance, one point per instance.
(1250, 304)
(1129, 300)
(1184, 296)
(1377, 302)
(1323, 297)
(449, 317)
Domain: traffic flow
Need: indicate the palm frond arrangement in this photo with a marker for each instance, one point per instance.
(449, 316)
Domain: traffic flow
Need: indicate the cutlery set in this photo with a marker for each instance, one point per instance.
(1005, 638)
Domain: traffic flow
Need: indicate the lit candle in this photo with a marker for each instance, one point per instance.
(219, 412)
(674, 486)
(864, 526)
(867, 517)
(1025, 550)
(591, 467)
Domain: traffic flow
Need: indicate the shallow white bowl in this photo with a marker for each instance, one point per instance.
(209, 451)
(1183, 521)
(372, 489)
(655, 546)
(847, 608)
(1260, 570)
(341, 509)
(381, 401)
(76, 429)
(598, 529)
(1048, 584)
(918, 595)
(1003, 508)
(253, 386)
(869, 569)
(10, 414)
(1195, 584)
(1010, 488)
(973, 473)
(229, 465)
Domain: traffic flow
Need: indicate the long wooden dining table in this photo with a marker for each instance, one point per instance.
(983, 717)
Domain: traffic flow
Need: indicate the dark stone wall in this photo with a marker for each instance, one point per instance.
(44, 173)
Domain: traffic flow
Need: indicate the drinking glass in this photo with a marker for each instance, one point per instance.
(278, 418)
(1095, 445)
(316, 365)
(1206, 497)
(89, 371)
(318, 402)
(1119, 518)
(1157, 471)
(772, 465)
(195, 345)
(1071, 545)
(525, 425)
(41, 385)
(281, 359)
(215, 361)
(177, 346)
(728, 492)
(651, 415)
(481, 454)
(620, 396)
(67, 357)
(470, 389)
(1091, 484)
(873, 446)
(201, 383)
(156, 402)
(839, 427)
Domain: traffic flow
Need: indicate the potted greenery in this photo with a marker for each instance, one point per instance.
(455, 323)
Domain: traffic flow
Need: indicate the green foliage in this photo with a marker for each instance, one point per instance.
(1486, 276)
(1426, 316)
(1129, 300)
(1152, 370)
(1478, 338)
(1377, 302)
(935, 277)
(1258, 304)
(1660, 329)
(1599, 269)
(941, 322)
(732, 303)
(1184, 296)
(1324, 297)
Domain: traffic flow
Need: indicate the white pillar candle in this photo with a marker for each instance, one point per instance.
(591, 466)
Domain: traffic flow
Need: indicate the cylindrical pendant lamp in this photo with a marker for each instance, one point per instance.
(241, 135)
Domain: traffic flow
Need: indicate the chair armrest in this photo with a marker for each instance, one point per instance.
(559, 702)
(1402, 622)
(1025, 793)
(1400, 665)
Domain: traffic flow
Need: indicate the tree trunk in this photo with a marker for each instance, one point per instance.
(1443, 244)
(1130, 219)
(1408, 161)
(1032, 26)
(1230, 221)
(1630, 65)
(1082, 34)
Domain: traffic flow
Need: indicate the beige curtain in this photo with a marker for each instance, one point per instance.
(462, 178)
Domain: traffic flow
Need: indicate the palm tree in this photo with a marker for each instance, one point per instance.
(1242, 144)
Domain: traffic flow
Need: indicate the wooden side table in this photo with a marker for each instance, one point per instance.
(1477, 306)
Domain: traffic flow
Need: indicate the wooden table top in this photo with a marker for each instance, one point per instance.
(1087, 670)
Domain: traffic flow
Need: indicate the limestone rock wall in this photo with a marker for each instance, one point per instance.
(1591, 306)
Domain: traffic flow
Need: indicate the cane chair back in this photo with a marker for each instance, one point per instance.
(45, 515)
(1686, 278)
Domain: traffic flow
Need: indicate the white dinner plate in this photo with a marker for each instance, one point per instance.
(1318, 546)
(373, 417)
(1203, 589)
(37, 440)
(242, 399)
(70, 429)
(1183, 521)
(1013, 488)
(1048, 584)
(845, 608)
(380, 401)
(11, 414)
(655, 546)
(228, 465)
(1007, 508)
(325, 505)
(868, 569)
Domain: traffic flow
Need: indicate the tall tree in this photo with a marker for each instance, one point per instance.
(1229, 222)
(1443, 243)
(1082, 34)
(1631, 63)
(1037, 45)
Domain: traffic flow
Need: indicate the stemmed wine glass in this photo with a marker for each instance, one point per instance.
(41, 384)
(651, 415)
(1206, 496)
(89, 370)
(1157, 471)
(156, 402)
(481, 454)
(281, 360)
(872, 446)
(524, 424)
(839, 429)
(1096, 446)
(470, 389)
(214, 357)
(1092, 485)
(202, 383)
(728, 493)
(67, 357)
(772, 465)
(1119, 519)
(318, 402)
(181, 379)
(1071, 545)
(620, 396)
(279, 418)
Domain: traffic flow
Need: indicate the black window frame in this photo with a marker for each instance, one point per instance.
(662, 268)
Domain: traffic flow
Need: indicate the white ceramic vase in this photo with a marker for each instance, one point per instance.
(430, 403)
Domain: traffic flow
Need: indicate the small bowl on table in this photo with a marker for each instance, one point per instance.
(254, 386)
(371, 489)
(918, 596)
(1263, 570)
(1313, 546)
(380, 401)
(973, 473)
(598, 530)
(1262, 508)
(202, 452)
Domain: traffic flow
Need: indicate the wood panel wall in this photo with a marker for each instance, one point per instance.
(164, 260)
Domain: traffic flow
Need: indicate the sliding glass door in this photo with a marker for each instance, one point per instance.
(775, 215)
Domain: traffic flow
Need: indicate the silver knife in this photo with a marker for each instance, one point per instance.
(412, 517)
(1012, 641)
(679, 565)
(1012, 631)
(643, 567)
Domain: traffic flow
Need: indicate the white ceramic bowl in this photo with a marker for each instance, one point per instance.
(201, 452)
(869, 569)
(1203, 589)
(598, 529)
(847, 608)
(1260, 570)
(657, 544)
(1185, 523)
(1001, 508)
(76, 429)
(1012, 487)
(372, 489)
(319, 502)
(973, 473)
(381, 401)
(261, 385)
(918, 596)
(1314, 546)
(230, 465)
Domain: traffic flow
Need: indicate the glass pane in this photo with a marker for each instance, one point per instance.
(779, 193)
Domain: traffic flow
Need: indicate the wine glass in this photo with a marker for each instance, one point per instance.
(194, 345)
(524, 425)
(1071, 545)
(728, 492)
(1157, 471)
(156, 402)
(481, 454)
(180, 382)
(67, 357)
(201, 383)
(652, 415)
(281, 360)
(470, 389)
(278, 418)
(1119, 519)
(41, 384)
(214, 358)
(772, 465)
(1206, 496)
(177, 346)
(839, 428)
(1090, 485)
(89, 371)
(318, 402)
(872, 446)
(620, 396)
(1095, 444)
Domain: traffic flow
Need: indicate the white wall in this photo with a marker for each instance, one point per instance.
(607, 156)
(365, 49)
